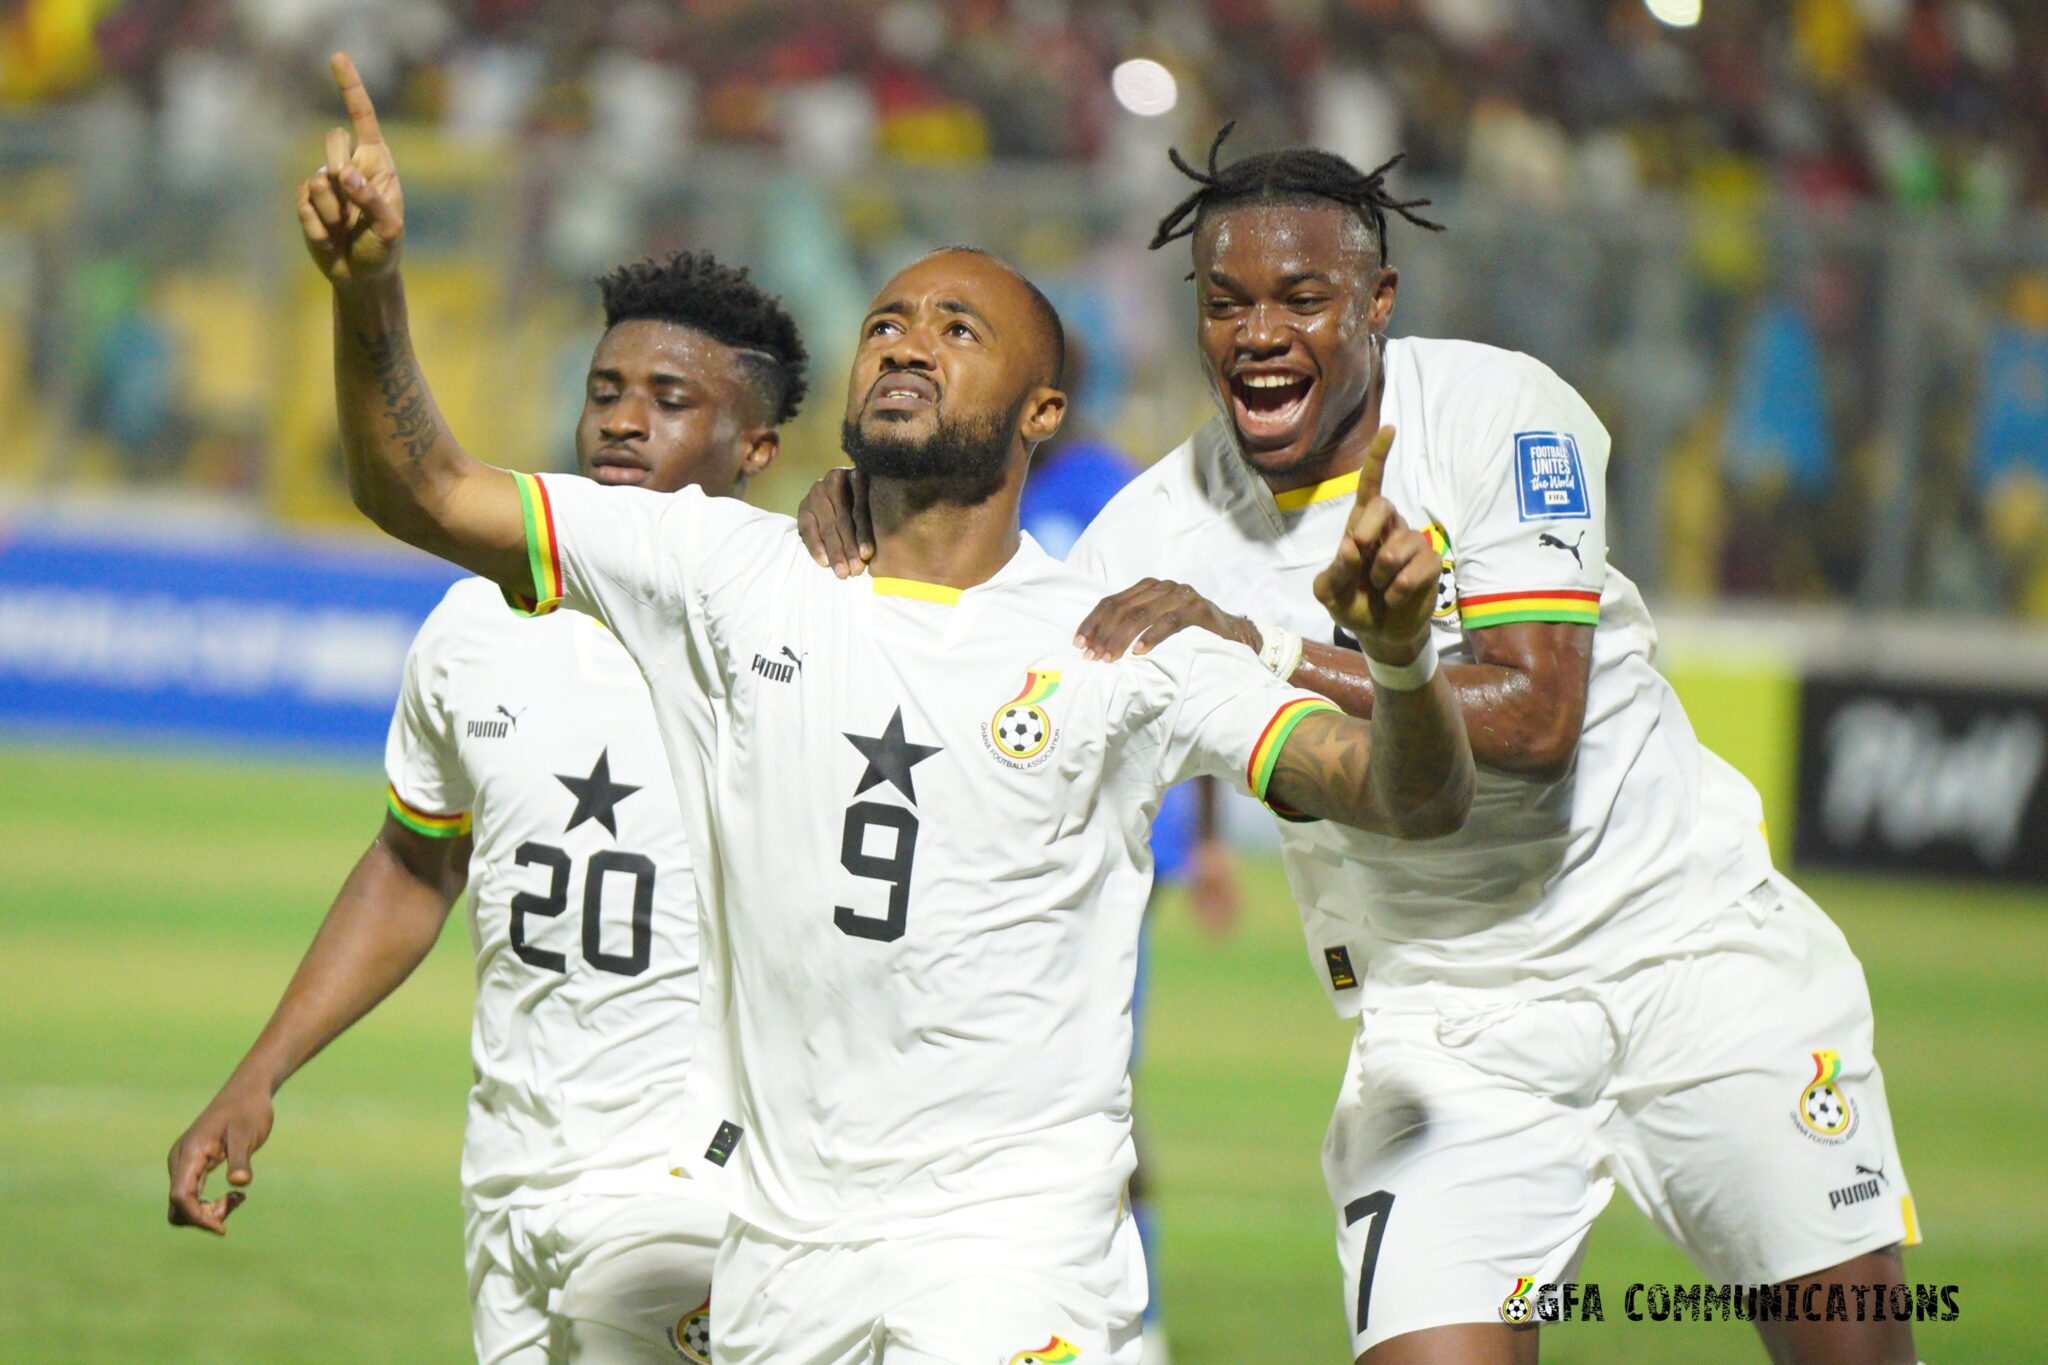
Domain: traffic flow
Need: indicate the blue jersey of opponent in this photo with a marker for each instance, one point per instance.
(1065, 491)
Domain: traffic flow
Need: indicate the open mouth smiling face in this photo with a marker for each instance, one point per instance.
(1268, 405)
(1289, 296)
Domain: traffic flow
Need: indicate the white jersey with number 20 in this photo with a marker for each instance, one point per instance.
(582, 913)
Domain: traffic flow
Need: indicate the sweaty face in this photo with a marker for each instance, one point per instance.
(1289, 296)
(950, 355)
(664, 407)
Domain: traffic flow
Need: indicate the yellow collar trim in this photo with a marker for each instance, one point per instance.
(924, 592)
(1294, 499)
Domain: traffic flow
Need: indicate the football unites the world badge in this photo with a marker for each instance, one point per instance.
(1020, 733)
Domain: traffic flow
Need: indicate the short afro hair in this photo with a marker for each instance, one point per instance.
(693, 289)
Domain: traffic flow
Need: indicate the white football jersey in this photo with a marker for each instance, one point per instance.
(1549, 883)
(925, 861)
(538, 733)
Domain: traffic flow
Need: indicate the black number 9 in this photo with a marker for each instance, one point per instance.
(894, 869)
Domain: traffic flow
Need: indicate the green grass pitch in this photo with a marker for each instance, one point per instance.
(152, 906)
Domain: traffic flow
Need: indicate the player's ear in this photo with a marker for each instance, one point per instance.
(760, 447)
(1386, 282)
(1044, 410)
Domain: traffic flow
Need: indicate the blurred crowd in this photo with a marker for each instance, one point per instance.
(1909, 101)
(1796, 249)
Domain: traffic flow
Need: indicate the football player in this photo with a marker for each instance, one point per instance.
(919, 813)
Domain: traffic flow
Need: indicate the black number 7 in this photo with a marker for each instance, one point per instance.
(1375, 1206)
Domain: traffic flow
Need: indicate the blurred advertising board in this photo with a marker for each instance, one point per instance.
(243, 637)
(1940, 777)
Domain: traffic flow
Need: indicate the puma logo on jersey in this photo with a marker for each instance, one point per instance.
(1551, 542)
(775, 670)
(496, 729)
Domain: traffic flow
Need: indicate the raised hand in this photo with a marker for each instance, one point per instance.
(351, 210)
(1382, 585)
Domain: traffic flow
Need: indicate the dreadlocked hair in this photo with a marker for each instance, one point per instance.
(1291, 173)
(694, 289)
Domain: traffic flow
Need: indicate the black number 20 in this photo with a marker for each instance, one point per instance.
(638, 866)
(894, 869)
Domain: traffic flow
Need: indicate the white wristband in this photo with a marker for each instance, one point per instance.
(1408, 677)
(1279, 651)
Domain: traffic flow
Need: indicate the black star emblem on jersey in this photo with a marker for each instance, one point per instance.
(890, 757)
(596, 794)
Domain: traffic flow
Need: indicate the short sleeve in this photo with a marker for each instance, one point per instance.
(1530, 543)
(426, 788)
(634, 559)
(1217, 711)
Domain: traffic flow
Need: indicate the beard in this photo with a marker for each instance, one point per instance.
(963, 461)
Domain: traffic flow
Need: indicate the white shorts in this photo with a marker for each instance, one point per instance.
(1732, 1092)
(978, 1297)
(594, 1278)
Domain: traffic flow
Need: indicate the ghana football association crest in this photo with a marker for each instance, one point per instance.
(1824, 1111)
(1516, 1309)
(1058, 1351)
(1020, 733)
(1446, 586)
(691, 1336)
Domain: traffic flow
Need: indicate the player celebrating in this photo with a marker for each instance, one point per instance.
(540, 735)
(921, 813)
(1600, 978)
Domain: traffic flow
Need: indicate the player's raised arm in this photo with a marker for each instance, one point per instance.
(405, 470)
(1408, 771)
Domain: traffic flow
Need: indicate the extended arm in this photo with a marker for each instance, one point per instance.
(1407, 772)
(1523, 698)
(382, 924)
(405, 470)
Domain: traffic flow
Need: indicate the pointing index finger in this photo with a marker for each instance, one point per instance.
(361, 113)
(1375, 467)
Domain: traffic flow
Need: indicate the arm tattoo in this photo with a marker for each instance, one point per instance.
(1326, 756)
(414, 423)
(1414, 782)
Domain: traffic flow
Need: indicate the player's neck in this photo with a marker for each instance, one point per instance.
(941, 542)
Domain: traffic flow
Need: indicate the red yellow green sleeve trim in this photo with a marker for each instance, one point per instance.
(1266, 753)
(543, 549)
(422, 821)
(1506, 608)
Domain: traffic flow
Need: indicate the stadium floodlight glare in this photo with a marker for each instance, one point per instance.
(1144, 87)
(1676, 13)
